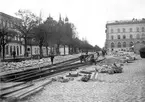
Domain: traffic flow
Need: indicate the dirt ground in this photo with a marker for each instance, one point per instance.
(128, 86)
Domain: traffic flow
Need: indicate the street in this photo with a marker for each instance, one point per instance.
(128, 86)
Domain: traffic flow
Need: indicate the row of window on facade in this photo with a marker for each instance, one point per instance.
(131, 36)
(6, 23)
(10, 49)
(130, 30)
(119, 45)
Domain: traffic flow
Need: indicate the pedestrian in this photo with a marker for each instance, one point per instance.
(14, 54)
(81, 58)
(52, 58)
(98, 54)
(92, 60)
(103, 53)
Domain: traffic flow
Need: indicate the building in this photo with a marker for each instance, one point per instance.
(7, 21)
(122, 35)
(17, 43)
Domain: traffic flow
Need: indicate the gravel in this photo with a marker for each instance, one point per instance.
(128, 86)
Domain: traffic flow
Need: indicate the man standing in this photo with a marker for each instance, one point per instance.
(52, 57)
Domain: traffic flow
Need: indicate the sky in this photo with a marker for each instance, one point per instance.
(88, 16)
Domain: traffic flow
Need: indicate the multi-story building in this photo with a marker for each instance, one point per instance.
(122, 35)
(17, 43)
(7, 21)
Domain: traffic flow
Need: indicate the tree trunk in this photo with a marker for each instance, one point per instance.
(47, 50)
(3, 51)
(31, 50)
(51, 49)
(25, 45)
(41, 53)
(64, 49)
(0, 50)
(69, 49)
(58, 53)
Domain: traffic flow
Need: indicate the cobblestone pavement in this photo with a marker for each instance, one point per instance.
(128, 86)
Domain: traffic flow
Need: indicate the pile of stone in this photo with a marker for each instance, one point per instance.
(62, 79)
(112, 69)
(24, 65)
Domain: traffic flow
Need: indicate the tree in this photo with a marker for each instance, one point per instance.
(5, 36)
(40, 33)
(51, 30)
(28, 21)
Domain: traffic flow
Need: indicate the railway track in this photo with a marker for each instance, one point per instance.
(24, 87)
(38, 72)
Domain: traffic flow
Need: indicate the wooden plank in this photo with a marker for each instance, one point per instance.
(31, 92)
(21, 92)
(29, 89)
(4, 86)
(14, 89)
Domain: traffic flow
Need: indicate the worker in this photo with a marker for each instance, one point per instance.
(52, 58)
(92, 60)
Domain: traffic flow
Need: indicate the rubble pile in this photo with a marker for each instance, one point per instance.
(111, 69)
(24, 65)
(62, 79)
(114, 64)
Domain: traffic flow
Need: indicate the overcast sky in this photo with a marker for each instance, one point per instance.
(89, 16)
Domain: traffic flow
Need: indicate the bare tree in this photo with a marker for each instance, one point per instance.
(28, 21)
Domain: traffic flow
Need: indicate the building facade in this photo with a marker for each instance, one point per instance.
(17, 43)
(122, 35)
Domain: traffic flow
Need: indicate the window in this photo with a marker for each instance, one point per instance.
(137, 29)
(112, 37)
(119, 45)
(112, 31)
(4, 24)
(131, 44)
(130, 29)
(124, 37)
(20, 49)
(14, 48)
(8, 24)
(28, 49)
(118, 30)
(131, 36)
(11, 50)
(35, 50)
(17, 50)
(11, 25)
(112, 45)
(137, 36)
(143, 29)
(124, 44)
(118, 36)
(123, 29)
(143, 35)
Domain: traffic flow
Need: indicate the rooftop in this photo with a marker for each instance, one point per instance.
(133, 21)
(9, 17)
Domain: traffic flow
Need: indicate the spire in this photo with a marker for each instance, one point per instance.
(60, 17)
(49, 15)
(66, 19)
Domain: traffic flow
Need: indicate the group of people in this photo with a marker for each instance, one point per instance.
(83, 58)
